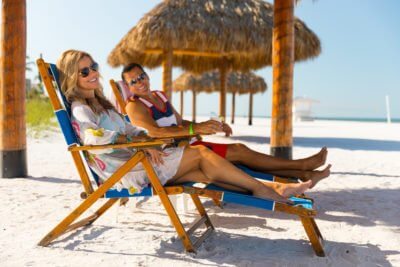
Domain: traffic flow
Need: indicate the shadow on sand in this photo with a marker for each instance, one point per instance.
(331, 142)
(224, 248)
(364, 207)
(345, 206)
(53, 180)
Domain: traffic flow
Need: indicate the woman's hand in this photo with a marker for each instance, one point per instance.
(156, 156)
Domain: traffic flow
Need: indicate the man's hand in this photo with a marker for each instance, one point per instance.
(207, 127)
(226, 129)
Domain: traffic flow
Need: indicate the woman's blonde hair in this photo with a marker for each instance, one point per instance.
(68, 67)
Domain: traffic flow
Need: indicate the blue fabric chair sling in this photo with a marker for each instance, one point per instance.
(302, 207)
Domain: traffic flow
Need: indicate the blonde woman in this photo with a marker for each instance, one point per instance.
(96, 122)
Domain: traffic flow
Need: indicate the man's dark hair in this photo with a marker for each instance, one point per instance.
(130, 67)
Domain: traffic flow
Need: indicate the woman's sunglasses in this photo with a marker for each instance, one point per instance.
(138, 79)
(86, 71)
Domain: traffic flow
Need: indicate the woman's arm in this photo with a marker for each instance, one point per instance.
(86, 126)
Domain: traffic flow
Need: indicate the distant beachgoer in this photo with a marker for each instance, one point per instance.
(152, 111)
(96, 122)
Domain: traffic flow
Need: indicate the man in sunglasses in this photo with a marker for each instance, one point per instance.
(152, 111)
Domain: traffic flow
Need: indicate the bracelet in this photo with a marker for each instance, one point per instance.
(191, 131)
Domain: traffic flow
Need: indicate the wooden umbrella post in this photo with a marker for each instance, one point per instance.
(282, 87)
(233, 108)
(194, 105)
(222, 97)
(167, 73)
(12, 89)
(181, 109)
(251, 109)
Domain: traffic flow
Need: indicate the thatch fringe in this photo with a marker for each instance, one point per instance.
(240, 31)
(237, 82)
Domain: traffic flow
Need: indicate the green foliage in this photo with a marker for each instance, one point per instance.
(39, 113)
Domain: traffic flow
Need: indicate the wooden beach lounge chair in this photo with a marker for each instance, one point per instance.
(105, 192)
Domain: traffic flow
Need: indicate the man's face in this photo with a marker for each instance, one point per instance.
(138, 81)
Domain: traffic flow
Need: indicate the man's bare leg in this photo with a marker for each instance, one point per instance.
(241, 154)
(314, 176)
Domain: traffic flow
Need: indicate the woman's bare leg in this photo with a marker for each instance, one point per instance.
(202, 178)
(241, 154)
(219, 170)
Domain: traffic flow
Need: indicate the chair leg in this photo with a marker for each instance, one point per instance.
(217, 203)
(201, 210)
(313, 235)
(314, 224)
(62, 227)
(169, 208)
(91, 219)
(66, 224)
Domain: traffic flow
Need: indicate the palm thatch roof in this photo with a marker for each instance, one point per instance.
(204, 33)
(237, 82)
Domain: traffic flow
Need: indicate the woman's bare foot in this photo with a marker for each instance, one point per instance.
(268, 191)
(317, 176)
(280, 191)
(315, 161)
(288, 190)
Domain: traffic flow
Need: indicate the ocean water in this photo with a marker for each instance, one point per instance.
(393, 120)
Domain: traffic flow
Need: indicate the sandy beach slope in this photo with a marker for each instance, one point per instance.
(359, 213)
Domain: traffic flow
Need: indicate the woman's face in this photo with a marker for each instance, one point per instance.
(138, 82)
(88, 77)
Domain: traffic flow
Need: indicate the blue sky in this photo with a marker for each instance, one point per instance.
(358, 66)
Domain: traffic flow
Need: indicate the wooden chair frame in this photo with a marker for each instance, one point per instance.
(190, 244)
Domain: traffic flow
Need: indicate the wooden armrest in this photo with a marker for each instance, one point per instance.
(187, 136)
(145, 144)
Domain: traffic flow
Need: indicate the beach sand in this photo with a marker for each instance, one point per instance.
(358, 209)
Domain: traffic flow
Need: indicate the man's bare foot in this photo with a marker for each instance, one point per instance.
(317, 176)
(315, 161)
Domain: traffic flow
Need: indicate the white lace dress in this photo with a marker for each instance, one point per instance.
(93, 129)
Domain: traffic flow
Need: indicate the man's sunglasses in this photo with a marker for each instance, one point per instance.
(86, 71)
(139, 78)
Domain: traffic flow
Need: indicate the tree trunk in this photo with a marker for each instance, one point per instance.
(222, 95)
(167, 74)
(282, 93)
(251, 109)
(233, 108)
(181, 108)
(194, 106)
(12, 89)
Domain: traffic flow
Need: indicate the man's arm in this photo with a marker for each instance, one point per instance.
(179, 118)
(225, 127)
(140, 116)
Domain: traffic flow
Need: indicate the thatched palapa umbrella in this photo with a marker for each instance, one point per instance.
(204, 35)
(237, 83)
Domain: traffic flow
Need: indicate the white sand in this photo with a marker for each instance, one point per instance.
(359, 213)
